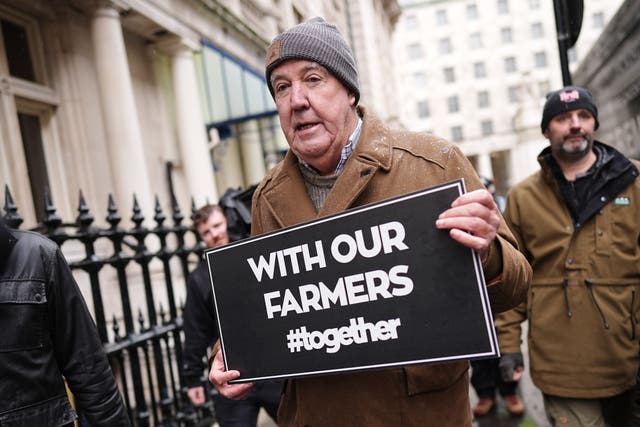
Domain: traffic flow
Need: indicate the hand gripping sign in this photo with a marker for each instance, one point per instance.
(369, 288)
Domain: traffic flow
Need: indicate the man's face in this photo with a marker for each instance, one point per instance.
(571, 134)
(317, 112)
(214, 230)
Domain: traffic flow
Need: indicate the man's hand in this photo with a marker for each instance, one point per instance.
(196, 395)
(472, 220)
(220, 380)
(511, 367)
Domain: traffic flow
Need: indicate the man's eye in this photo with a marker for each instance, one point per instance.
(281, 87)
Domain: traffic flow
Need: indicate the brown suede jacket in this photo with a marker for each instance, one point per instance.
(385, 164)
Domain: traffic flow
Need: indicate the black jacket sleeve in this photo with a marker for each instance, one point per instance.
(79, 352)
(200, 327)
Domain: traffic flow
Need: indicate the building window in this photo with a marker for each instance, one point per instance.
(452, 103)
(483, 99)
(537, 31)
(472, 11)
(514, 94)
(540, 59)
(410, 22)
(414, 51)
(534, 4)
(510, 65)
(486, 127)
(503, 7)
(420, 79)
(506, 35)
(456, 133)
(29, 121)
(475, 41)
(441, 17)
(31, 133)
(479, 70)
(444, 45)
(449, 75)
(597, 20)
(423, 109)
(17, 49)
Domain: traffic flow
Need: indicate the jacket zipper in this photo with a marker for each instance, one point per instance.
(589, 284)
(565, 284)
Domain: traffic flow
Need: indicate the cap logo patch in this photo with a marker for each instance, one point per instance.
(569, 96)
(274, 52)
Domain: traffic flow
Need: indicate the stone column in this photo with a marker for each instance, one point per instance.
(124, 137)
(192, 138)
(485, 168)
(252, 153)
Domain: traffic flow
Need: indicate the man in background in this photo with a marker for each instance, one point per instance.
(577, 220)
(200, 329)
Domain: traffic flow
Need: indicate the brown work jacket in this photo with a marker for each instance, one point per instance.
(582, 307)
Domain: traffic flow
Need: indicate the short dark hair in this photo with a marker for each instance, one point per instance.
(203, 214)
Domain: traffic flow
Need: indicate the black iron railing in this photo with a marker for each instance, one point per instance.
(135, 277)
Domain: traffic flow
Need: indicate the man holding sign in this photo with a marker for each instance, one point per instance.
(342, 157)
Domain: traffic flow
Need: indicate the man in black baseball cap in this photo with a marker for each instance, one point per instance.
(577, 221)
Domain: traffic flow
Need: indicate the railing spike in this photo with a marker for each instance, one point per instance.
(84, 219)
(11, 216)
(193, 209)
(51, 219)
(137, 216)
(175, 208)
(159, 217)
(113, 218)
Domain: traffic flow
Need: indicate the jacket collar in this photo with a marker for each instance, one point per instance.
(373, 152)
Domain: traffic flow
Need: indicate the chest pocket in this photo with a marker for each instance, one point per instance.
(22, 314)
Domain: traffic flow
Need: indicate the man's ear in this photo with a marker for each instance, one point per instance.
(352, 99)
(546, 133)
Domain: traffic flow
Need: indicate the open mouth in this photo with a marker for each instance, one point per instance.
(305, 126)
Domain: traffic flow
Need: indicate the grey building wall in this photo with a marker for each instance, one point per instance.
(611, 71)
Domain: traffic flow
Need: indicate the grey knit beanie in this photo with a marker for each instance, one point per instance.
(318, 41)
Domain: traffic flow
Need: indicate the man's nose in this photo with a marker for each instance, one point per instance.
(575, 121)
(298, 96)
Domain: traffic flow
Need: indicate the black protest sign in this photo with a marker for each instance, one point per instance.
(373, 287)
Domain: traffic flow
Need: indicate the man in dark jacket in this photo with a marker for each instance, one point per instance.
(48, 337)
(200, 332)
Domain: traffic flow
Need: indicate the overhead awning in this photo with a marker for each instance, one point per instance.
(233, 92)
